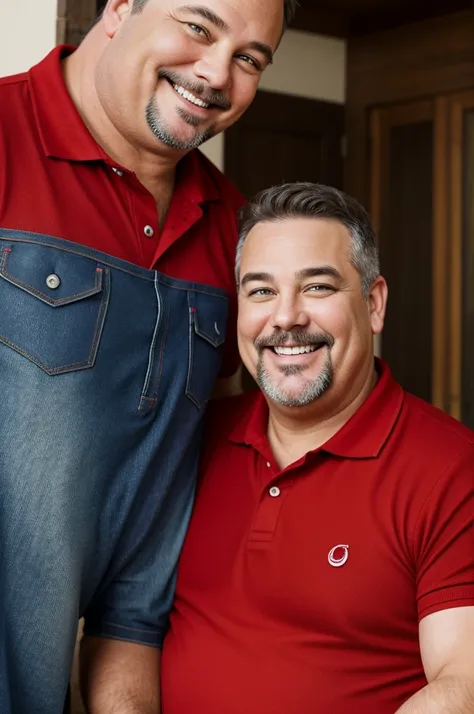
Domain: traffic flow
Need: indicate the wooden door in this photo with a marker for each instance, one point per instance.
(285, 138)
(404, 193)
(422, 201)
(460, 385)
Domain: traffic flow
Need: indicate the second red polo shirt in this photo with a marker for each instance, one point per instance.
(301, 590)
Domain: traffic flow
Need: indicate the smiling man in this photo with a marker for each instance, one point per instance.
(117, 240)
(329, 564)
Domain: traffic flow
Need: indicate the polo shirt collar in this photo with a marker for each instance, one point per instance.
(362, 436)
(64, 135)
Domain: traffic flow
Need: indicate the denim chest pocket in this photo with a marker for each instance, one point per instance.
(53, 306)
(207, 328)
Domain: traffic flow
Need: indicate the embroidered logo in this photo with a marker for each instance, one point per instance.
(338, 555)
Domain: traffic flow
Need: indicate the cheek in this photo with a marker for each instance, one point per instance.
(339, 319)
(172, 50)
(243, 90)
(251, 323)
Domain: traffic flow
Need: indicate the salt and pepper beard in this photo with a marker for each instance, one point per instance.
(313, 389)
(158, 126)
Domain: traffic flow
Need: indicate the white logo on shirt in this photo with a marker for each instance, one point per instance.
(338, 555)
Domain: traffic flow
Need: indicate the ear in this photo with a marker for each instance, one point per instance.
(378, 304)
(114, 13)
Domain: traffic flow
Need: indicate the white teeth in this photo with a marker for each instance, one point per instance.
(294, 350)
(190, 97)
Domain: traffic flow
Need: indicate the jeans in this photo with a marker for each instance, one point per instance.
(105, 371)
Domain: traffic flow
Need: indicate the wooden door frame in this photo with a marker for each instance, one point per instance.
(381, 120)
(426, 60)
(458, 103)
(413, 62)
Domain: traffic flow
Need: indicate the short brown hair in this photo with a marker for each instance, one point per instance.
(312, 200)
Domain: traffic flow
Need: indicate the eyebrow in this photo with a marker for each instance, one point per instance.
(316, 272)
(266, 50)
(299, 275)
(207, 14)
(256, 277)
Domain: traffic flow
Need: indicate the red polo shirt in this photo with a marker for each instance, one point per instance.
(262, 622)
(55, 179)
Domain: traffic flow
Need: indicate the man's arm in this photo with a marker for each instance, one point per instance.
(119, 677)
(447, 651)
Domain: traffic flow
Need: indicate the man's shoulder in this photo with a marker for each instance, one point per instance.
(13, 81)
(226, 188)
(434, 432)
(13, 94)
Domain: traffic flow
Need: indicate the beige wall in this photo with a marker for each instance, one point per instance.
(306, 65)
(27, 33)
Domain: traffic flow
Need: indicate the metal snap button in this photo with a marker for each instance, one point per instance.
(149, 232)
(274, 492)
(117, 171)
(53, 281)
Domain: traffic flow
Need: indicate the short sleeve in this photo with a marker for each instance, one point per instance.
(444, 540)
(135, 601)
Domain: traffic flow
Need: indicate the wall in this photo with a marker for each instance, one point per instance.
(27, 33)
(306, 65)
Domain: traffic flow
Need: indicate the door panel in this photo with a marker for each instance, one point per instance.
(467, 389)
(422, 200)
(402, 207)
(285, 138)
(461, 343)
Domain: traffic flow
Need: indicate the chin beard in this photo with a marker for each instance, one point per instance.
(158, 127)
(312, 391)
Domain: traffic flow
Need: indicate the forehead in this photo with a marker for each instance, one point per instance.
(285, 246)
(260, 20)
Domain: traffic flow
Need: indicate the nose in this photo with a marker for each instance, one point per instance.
(288, 314)
(214, 66)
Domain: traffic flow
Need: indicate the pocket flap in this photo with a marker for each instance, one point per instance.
(51, 277)
(209, 314)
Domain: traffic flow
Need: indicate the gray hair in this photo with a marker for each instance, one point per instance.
(289, 9)
(312, 200)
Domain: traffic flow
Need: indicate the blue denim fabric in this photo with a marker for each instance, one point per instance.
(105, 369)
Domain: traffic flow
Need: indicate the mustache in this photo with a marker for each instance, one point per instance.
(199, 89)
(296, 337)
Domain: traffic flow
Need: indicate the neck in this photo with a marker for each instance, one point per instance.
(153, 168)
(294, 431)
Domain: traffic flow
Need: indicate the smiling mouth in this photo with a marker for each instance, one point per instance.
(296, 350)
(189, 96)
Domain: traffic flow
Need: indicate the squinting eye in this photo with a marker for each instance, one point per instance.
(261, 292)
(249, 60)
(197, 29)
(320, 288)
